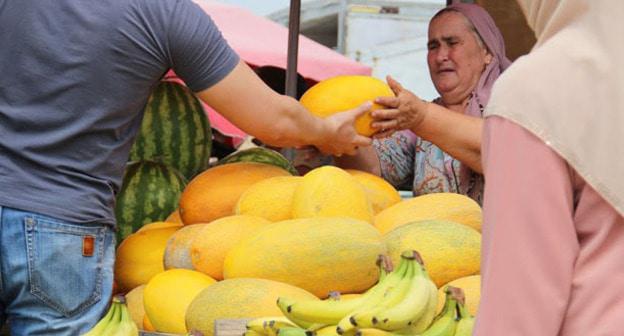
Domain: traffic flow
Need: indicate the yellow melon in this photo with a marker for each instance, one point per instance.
(140, 256)
(214, 241)
(270, 198)
(317, 254)
(174, 217)
(159, 225)
(380, 193)
(214, 193)
(147, 325)
(236, 299)
(443, 206)
(471, 285)
(329, 191)
(449, 250)
(134, 301)
(167, 296)
(178, 250)
(341, 93)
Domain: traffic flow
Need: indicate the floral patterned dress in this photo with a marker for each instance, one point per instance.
(409, 162)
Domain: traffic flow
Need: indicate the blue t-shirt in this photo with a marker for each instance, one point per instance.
(74, 79)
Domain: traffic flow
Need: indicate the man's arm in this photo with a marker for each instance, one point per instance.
(278, 120)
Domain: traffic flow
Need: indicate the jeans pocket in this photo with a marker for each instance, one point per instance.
(65, 263)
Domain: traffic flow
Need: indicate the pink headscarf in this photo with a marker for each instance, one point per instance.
(491, 36)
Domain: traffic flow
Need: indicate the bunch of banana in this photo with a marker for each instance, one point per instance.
(466, 321)
(116, 322)
(403, 301)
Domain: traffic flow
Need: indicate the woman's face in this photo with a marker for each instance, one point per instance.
(455, 58)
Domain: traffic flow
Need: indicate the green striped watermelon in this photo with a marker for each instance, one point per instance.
(260, 155)
(149, 193)
(175, 130)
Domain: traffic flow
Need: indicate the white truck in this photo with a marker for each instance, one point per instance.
(389, 36)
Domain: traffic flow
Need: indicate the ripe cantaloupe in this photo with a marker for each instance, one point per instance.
(214, 193)
(134, 301)
(239, 298)
(178, 250)
(159, 225)
(440, 206)
(380, 193)
(174, 217)
(329, 191)
(147, 325)
(215, 239)
(167, 296)
(140, 256)
(449, 250)
(317, 254)
(342, 93)
(270, 198)
(471, 285)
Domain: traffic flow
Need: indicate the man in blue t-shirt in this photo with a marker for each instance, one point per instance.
(76, 76)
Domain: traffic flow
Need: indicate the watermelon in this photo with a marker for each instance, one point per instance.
(260, 155)
(175, 130)
(149, 193)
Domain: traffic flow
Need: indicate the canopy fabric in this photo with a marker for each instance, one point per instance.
(260, 42)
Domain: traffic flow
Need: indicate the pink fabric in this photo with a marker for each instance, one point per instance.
(260, 41)
(493, 39)
(553, 249)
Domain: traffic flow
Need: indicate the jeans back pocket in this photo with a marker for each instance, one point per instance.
(65, 263)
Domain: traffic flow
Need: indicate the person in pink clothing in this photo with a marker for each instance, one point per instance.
(553, 231)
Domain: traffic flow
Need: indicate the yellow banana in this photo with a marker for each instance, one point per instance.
(425, 320)
(115, 321)
(332, 311)
(126, 326)
(103, 323)
(294, 331)
(373, 298)
(373, 332)
(446, 322)
(269, 325)
(413, 304)
(466, 322)
(363, 317)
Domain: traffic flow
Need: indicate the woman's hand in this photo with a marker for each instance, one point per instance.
(405, 111)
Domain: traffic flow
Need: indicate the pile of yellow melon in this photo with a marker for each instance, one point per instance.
(248, 232)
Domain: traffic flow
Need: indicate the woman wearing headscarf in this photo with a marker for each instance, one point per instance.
(440, 147)
(553, 233)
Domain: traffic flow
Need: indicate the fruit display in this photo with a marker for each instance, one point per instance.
(380, 192)
(319, 255)
(331, 192)
(260, 155)
(149, 193)
(271, 198)
(140, 256)
(342, 93)
(175, 130)
(214, 193)
(449, 250)
(117, 321)
(253, 233)
(238, 298)
(442, 206)
(215, 240)
(471, 286)
(167, 296)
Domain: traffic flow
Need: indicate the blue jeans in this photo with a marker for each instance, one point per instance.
(56, 277)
